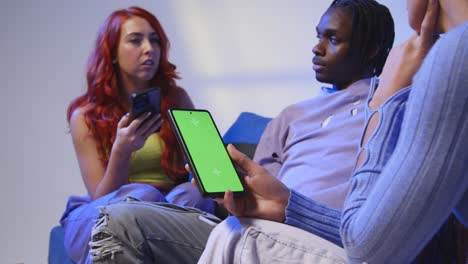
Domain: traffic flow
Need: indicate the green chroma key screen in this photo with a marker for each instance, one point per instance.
(207, 152)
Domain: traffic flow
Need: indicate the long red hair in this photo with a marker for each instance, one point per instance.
(103, 100)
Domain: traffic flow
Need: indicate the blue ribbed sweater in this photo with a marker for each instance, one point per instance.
(416, 170)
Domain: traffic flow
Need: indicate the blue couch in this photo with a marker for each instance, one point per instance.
(244, 134)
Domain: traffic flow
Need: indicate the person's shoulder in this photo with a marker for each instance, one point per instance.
(307, 104)
(180, 97)
(460, 31)
(79, 112)
(455, 39)
(297, 109)
(77, 119)
(451, 50)
(462, 37)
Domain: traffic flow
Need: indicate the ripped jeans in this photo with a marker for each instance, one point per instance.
(138, 232)
(144, 232)
(81, 212)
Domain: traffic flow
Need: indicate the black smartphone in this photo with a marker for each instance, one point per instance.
(145, 101)
(205, 152)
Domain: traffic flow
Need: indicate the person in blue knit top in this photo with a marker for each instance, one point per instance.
(411, 172)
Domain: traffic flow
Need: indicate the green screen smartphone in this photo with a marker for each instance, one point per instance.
(205, 152)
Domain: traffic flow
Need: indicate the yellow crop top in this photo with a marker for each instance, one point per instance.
(145, 164)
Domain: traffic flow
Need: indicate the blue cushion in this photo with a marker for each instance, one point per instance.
(245, 132)
(57, 252)
(247, 128)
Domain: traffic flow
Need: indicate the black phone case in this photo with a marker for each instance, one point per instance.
(146, 101)
(183, 146)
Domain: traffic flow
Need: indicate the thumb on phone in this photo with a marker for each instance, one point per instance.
(242, 160)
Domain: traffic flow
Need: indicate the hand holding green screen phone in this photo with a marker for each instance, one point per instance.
(205, 152)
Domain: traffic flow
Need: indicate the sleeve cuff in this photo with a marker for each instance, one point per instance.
(314, 217)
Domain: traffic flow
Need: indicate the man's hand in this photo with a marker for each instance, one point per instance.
(265, 196)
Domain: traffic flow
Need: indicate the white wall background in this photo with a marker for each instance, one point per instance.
(233, 56)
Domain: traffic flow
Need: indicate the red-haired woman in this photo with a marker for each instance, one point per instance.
(118, 156)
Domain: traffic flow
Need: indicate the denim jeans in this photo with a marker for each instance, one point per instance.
(145, 232)
(81, 212)
(248, 240)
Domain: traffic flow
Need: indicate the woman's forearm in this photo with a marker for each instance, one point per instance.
(116, 173)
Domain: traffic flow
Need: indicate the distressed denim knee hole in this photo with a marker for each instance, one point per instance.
(103, 245)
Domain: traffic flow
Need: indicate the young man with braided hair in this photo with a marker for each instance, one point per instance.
(311, 145)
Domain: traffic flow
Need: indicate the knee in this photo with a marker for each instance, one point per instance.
(110, 233)
(186, 194)
(103, 244)
(140, 191)
(223, 242)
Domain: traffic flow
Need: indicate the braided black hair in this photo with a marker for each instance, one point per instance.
(373, 31)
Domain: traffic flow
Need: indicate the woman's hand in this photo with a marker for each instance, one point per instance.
(405, 59)
(132, 135)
